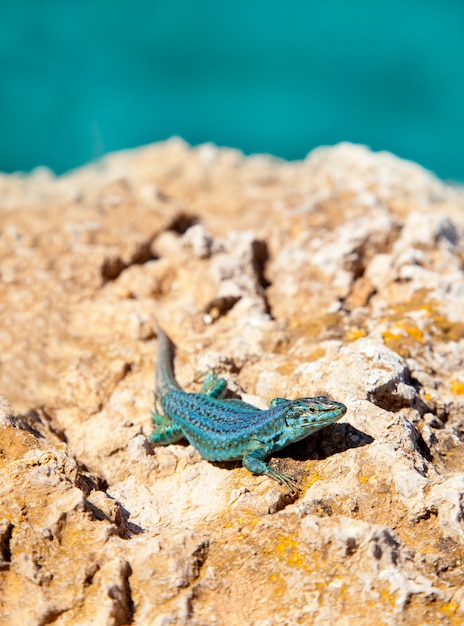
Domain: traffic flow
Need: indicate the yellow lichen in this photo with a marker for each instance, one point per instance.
(279, 586)
(315, 327)
(457, 387)
(389, 336)
(288, 547)
(316, 355)
(403, 338)
(388, 598)
(449, 608)
(417, 303)
(398, 343)
(443, 329)
(438, 326)
(286, 369)
(355, 333)
(416, 333)
(311, 480)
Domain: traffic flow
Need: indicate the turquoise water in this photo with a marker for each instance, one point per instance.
(78, 79)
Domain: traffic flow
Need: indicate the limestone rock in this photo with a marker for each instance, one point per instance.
(341, 274)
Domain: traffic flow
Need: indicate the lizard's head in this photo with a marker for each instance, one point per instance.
(306, 415)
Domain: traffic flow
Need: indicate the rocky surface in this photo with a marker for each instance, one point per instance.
(341, 274)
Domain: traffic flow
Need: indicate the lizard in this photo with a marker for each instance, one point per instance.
(223, 429)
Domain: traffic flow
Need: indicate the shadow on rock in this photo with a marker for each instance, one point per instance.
(331, 440)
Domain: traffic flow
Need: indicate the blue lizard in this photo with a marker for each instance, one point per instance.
(228, 429)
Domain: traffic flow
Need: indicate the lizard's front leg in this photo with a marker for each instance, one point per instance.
(254, 462)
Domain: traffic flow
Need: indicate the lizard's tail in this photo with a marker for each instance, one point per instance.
(165, 380)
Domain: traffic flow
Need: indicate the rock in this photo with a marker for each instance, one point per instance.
(341, 275)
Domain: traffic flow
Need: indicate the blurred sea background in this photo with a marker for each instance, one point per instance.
(82, 78)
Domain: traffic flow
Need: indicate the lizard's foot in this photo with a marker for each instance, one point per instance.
(284, 479)
(256, 465)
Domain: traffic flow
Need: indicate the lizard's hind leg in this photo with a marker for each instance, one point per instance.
(213, 386)
(164, 430)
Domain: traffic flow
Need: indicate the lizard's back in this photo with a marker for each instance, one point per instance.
(221, 429)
